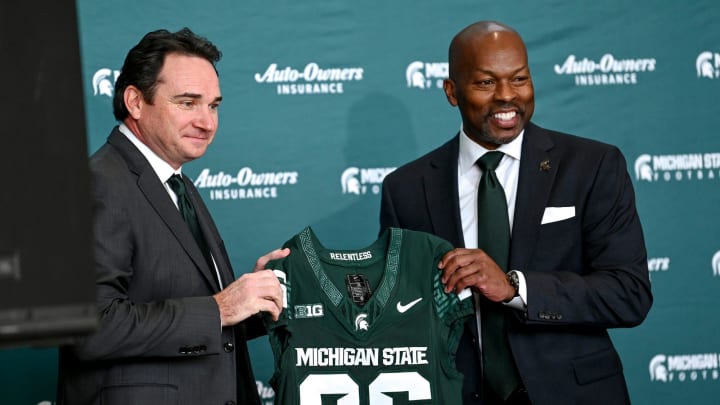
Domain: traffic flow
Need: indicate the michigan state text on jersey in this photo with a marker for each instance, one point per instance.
(369, 326)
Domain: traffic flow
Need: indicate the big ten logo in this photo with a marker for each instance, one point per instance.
(309, 311)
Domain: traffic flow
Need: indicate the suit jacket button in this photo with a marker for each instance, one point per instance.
(228, 347)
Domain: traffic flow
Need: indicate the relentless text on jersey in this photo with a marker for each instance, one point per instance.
(397, 346)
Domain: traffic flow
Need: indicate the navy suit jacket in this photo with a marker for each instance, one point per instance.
(584, 274)
(159, 339)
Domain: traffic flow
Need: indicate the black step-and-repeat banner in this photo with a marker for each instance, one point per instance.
(322, 99)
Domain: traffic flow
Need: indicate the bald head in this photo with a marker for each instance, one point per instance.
(467, 41)
(490, 83)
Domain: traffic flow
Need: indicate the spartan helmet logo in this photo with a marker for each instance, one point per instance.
(414, 76)
(716, 263)
(361, 322)
(350, 182)
(704, 65)
(643, 170)
(103, 82)
(658, 370)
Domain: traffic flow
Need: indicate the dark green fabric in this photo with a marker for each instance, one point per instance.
(188, 213)
(494, 238)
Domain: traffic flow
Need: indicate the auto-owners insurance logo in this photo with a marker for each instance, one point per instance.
(609, 70)
(245, 184)
(310, 79)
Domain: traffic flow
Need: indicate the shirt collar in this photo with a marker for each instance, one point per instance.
(161, 167)
(470, 151)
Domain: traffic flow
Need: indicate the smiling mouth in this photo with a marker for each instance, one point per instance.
(506, 120)
(197, 137)
(505, 116)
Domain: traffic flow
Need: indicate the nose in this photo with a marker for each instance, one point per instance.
(206, 119)
(504, 91)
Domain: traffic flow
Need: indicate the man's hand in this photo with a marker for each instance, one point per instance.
(252, 293)
(473, 268)
(262, 261)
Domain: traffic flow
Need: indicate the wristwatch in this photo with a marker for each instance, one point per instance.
(514, 281)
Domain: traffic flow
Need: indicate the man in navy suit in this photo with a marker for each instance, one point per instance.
(577, 257)
(173, 320)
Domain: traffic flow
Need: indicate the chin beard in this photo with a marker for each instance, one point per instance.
(487, 138)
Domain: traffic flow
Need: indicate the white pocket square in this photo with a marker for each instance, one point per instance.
(555, 214)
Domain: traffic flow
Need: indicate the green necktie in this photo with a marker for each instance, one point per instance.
(494, 238)
(188, 213)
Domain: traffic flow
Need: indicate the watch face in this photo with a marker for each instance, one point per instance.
(514, 281)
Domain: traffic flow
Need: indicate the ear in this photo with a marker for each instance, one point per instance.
(449, 87)
(134, 101)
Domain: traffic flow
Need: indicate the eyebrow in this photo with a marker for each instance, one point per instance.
(491, 72)
(194, 96)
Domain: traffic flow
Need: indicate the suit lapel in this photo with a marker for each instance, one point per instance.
(441, 186)
(538, 166)
(157, 196)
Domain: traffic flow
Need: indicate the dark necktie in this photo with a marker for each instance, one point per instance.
(494, 238)
(188, 213)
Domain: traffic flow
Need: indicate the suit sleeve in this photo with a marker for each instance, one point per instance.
(164, 326)
(611, 288)
(388, 217)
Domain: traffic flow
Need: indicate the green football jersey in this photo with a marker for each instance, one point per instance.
(370, 326)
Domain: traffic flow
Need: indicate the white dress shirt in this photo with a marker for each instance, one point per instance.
(164, 171)
(468, 180)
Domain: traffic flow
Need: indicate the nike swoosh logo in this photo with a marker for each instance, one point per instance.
(403, 308)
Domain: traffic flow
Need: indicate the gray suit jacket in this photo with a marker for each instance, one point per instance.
(159, 340)
(585, 274)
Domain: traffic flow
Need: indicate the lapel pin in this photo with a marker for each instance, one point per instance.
(545, 165)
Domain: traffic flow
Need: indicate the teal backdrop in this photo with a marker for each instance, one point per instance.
(323, 98)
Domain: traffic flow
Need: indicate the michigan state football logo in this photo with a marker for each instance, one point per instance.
(361, 322)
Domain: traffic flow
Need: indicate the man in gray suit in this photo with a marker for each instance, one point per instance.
(173, 321)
